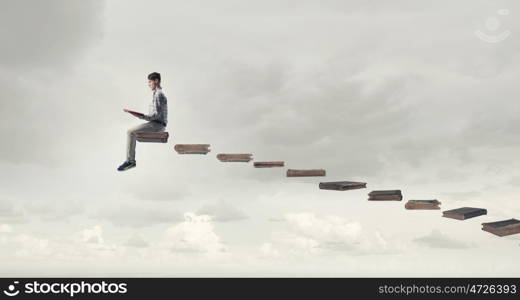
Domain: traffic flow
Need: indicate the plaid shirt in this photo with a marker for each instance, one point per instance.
(158, 108)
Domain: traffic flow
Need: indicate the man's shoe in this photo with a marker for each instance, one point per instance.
(126, 165)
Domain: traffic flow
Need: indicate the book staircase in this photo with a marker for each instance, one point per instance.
(499, 228)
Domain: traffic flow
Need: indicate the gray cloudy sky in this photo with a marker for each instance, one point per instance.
(401, 94)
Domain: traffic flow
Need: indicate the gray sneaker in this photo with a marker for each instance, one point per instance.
(127, 165)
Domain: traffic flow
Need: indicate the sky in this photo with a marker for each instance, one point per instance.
(410, 95)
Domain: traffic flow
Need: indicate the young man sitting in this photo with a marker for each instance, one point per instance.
(157, 120)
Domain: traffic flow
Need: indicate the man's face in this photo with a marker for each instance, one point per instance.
(152, 84)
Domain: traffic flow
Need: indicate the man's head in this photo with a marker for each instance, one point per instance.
(154, 80)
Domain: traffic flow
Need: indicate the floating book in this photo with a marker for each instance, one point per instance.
(422, 204)
(192, 148)
(342, 185)
(240, 157)
(464, 213)
(268, 164)
(304, 173)
(385, 195)
(152, 137)
(502, 228)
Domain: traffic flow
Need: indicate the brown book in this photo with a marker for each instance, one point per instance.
(152, 137)
(342, 185)
(386, 198)
(192, 148)
(268, 164)
(241, 157)
(304, 173)
(385, 195)
(502, 228)
(135, 113)
(422, 204)
(464, 213)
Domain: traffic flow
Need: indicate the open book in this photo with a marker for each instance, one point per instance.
(135, 113)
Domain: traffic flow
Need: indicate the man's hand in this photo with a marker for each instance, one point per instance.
(139, 116)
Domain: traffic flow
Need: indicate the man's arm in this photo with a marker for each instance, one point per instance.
(158, 107)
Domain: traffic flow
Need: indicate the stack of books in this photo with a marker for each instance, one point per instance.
(268, 164)
(152, 137)
(464, 213)
(502, 228)
(192, 148)
(385, 195)
(304, 173)
(342, 185)
(422, 204)
(241, 157)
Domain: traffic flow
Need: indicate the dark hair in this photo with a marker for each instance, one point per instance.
(154, 76)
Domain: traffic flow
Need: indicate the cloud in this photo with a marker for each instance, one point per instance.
(91, 240)
(195, 235)
(85, 244)
(267, 250)
(11, 214)
(437, 239)
(26, 245)
(136, 241)
(276, 219)
(54, 210)
(48, 35)
(137, 215)
(46, 41)
(463, 195)
(92, 235)
(222, 211)
(514, 181)
(329, 231)
(311, 234)
(5, 228)
(330, 106)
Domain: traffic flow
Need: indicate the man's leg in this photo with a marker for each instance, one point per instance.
(132, 137)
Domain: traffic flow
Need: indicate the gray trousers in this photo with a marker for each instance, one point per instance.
(131, 136)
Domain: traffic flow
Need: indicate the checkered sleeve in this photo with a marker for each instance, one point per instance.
(158, 109)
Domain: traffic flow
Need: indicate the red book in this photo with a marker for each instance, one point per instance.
(135, 113)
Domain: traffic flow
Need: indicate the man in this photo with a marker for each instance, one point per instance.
(157, 120)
